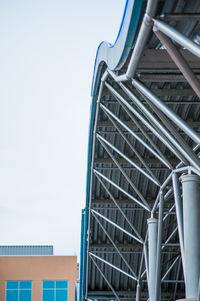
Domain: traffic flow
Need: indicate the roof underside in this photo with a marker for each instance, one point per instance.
(158, 72)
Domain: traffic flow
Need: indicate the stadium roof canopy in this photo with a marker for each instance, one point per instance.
(144, 135)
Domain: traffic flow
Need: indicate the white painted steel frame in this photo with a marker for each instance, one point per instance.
(163, 129)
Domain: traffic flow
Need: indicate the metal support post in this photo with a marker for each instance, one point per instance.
(138, 292)
(191, 221)
(153, 237)
(159, 244)
(179, 215)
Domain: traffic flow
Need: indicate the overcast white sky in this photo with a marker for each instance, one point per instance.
(47, 54)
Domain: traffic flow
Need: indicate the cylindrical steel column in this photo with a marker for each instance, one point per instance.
(191, 222)
(153, 237)
(138, 292)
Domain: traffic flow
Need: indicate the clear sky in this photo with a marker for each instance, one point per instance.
(47, 54)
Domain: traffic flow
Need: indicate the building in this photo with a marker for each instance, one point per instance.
(32, 273)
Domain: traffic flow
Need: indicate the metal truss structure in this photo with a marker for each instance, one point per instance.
(141, 226)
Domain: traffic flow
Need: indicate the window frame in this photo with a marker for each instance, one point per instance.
(54, 288)
(18, 288)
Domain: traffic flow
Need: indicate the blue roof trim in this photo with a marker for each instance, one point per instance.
(114, 57)
(121, 25)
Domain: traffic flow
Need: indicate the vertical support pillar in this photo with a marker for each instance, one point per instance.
(191, 221)
(159, 246)
(179, 215)
(138, 292)
(153, 237)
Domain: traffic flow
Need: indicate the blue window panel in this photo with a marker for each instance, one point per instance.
(25, 295)
(48, 284)
(62, 284)
(12, 295)
(25, 284)
(48, 295)
(61, 295)
(12, 284)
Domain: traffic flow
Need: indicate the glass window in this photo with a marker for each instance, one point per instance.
(25, 284)
(24, 295)
(12, 284)
(55, 290)
(48, 284)
(48, 295)
(61, 295)
(12, 295)
(61, 284)
(18, 290)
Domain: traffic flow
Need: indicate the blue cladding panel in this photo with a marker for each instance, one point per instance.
(12, 284)
(62, 284)
(25, 284)
(48, 295)
(61, 295)
(12, 295)
(48, 284)
(25, 295)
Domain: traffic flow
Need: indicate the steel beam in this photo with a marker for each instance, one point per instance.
(192, 124)
(119, 208)
(178, 37)
(143, 35)
(104, 277)
(115, 246)
(172, 161)
(128, 161)
(179, 61)
(121, 189)
(163, 78)
(180, 17)
(167, 111)
(135, 136)
(113, 266)
(127, 293)
(133, 246)
(158, 61)
(130, 110)
(170, 268)
(139, 157)
(117, 226)
(179, 141)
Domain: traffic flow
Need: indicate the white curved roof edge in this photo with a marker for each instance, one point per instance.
(114, 56)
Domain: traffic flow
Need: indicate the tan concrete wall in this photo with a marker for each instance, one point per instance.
(38, 268)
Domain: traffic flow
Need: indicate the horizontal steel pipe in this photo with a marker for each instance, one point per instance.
(178, 37)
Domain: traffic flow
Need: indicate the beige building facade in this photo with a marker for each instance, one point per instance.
(38, 269)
